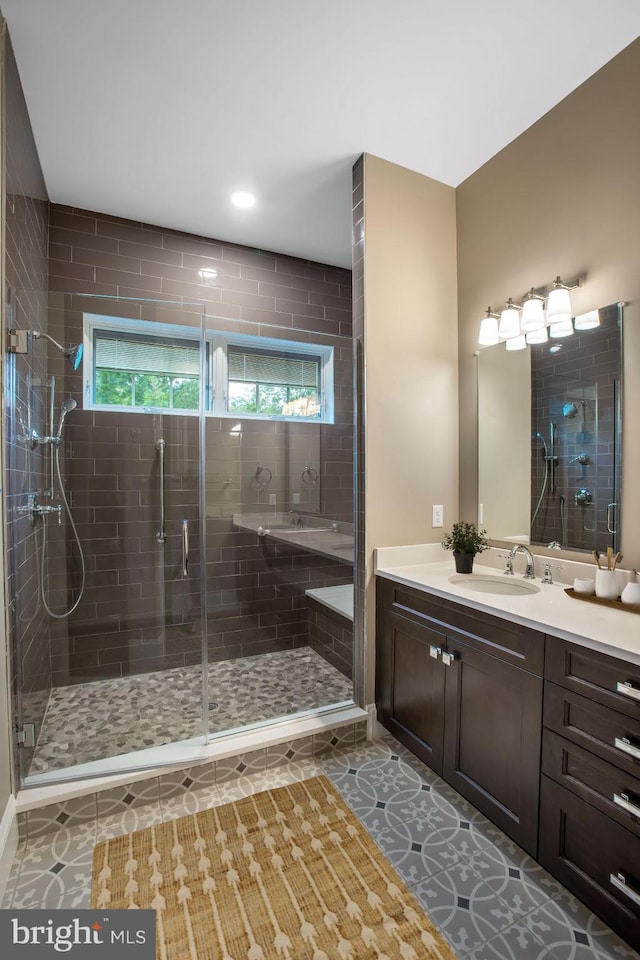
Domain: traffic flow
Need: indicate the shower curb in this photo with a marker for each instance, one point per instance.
(76, 811)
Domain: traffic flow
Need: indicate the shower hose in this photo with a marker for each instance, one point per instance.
(60, 616)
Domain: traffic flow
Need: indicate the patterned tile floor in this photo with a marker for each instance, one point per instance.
(107, 718)
(489, 899)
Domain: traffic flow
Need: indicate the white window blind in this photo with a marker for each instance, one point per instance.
(254, 367)
(140, 354)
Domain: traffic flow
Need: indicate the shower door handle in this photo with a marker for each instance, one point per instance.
(185, 548)
(611, 512)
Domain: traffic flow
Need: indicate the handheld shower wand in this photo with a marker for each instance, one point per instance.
(66, 407)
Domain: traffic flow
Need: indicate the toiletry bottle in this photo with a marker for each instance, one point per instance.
(631, 593)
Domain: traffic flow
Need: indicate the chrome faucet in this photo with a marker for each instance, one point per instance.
(296, 519)
(529, 571)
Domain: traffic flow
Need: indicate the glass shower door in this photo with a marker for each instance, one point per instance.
(106, 529)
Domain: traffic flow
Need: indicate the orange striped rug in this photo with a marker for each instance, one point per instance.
(288, 874)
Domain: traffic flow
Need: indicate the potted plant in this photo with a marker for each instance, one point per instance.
(465, 540)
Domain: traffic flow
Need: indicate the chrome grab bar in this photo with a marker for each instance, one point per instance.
(161, 535)
(611, 511)
(185, 548)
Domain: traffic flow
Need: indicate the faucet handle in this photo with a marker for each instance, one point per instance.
(548, 576)
(509, 564)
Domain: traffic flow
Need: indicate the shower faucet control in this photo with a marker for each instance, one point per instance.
(35, 509)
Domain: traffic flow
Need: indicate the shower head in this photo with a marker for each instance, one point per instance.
(569, 410)
(73, 353)
(66, 407)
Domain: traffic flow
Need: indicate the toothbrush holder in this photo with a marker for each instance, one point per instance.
(607, 585)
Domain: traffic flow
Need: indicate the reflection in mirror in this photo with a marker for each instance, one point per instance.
(549, 439)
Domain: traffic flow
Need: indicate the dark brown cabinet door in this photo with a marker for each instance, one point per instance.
(593, 856)
(493, 718)
(410, 686)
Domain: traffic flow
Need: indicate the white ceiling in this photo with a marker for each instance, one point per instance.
(158, 109)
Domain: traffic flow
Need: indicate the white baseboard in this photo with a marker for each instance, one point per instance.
(8, 842)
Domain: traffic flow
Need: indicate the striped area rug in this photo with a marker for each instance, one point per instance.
(288, 874)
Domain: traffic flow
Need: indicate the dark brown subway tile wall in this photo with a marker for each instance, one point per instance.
(26, 400)
(331, 635)
(138, 613)
(585, 371)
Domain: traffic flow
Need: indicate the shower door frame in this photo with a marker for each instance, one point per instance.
(180, 751)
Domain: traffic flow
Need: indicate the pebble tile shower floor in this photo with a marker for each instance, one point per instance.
(489, 899)
(108, 718)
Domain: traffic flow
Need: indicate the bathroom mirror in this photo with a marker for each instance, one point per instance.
(549, 439)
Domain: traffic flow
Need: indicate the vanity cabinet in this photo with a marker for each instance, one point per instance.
(590, 790)
(463, 690)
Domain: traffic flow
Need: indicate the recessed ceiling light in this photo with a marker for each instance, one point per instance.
(243, 200)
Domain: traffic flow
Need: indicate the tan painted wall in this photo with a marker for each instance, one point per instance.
(562, 198)
(410, 361)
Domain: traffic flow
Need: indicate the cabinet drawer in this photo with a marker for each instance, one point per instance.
(598, 729)
(500, 638)
(593, 856)
(604, 679)
(606, 787)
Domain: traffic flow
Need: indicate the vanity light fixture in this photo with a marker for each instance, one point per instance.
(489, 330)
(509, 321)
(587, 321)
(532, 313)
(538, 336)
(562, 328)
(243, 199)
(517, 343)
(559, 302)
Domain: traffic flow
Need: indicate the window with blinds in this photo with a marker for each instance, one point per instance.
(134, 370)
(272, 383)
(152, 366)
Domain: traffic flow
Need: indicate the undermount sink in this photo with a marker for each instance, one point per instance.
(485, 583)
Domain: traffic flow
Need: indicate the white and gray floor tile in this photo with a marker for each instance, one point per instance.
(106, 718)
(488, 898)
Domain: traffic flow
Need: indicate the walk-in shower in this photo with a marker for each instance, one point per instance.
(160, 617)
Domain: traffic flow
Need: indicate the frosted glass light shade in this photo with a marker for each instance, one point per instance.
(564, 328)
(558, 306)
(489, 332)
(517, 343)
(587, 321)
(509, 324)
(532, 315)
(538, 336)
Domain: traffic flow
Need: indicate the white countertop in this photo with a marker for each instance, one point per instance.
(425, 567)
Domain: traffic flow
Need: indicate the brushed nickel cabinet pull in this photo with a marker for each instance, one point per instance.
(435, 652)
(622, 800)
(448, 658)
(628, 690)
(619, 881)
(624, 744)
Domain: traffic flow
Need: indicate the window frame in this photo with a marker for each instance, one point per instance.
(213, 391)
